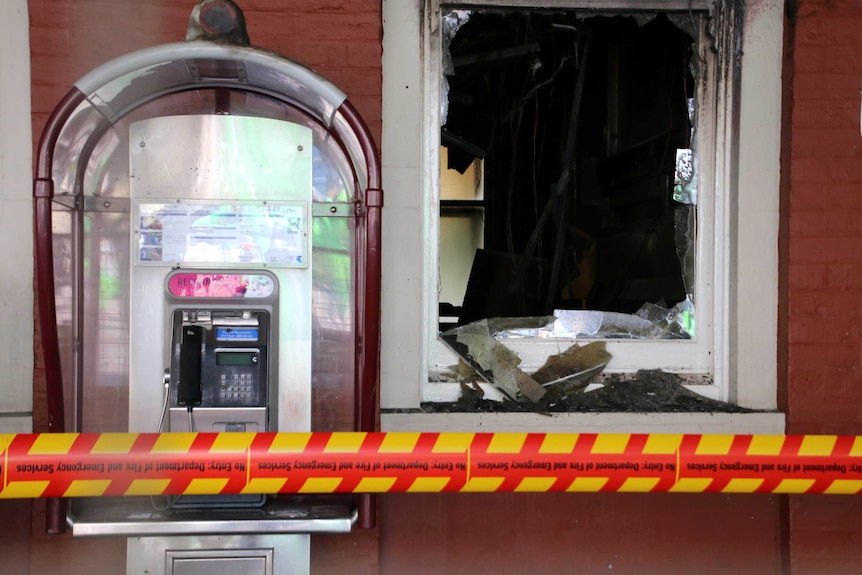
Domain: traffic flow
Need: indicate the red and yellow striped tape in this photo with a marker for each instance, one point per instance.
(90, 464)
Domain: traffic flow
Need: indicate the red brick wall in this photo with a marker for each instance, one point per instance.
(340, 39)
(825, 292)
(825, 268)
(579, 534)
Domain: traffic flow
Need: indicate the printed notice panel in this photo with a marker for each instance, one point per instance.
(214, 233)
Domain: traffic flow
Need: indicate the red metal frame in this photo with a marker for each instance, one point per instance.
(43, 195)
(367, 397)
(368, 233)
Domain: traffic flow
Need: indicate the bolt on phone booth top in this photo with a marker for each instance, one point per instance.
(208, 260)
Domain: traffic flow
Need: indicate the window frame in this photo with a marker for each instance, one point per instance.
(746, 124)
(690, 357)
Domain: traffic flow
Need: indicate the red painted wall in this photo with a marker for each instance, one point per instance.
(340, 39)
(824, 389)
(569, 533)
(821, 355)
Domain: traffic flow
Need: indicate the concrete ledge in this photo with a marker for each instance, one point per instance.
(14, 423)
(765, 423)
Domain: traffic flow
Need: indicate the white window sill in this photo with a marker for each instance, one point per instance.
(450, 392)
(13, 423)
(759, 423)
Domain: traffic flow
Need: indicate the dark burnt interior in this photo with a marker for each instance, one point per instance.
(577, 118)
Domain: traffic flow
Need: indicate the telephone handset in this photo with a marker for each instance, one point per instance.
(189, 389)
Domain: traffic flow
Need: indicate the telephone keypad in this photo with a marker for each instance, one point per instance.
(237, 388)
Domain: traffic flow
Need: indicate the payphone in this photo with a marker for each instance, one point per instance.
(208, 242)
(220, 325)
(219, 368)
(219, 354)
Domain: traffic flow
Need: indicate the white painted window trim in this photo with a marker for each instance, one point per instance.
(746, 193)
(16, 217)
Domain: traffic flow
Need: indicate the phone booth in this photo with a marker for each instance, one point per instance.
(208, 260)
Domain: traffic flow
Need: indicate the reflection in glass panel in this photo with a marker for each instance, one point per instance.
(105, 323)
(64, 293)
(102, 179)
(333, 302)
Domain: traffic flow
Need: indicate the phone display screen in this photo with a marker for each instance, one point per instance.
(236, 358)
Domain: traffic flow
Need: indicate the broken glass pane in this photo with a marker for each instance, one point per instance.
(452, 22)
(496, 363)
(684, 190)
(586, 123)
(562, 374)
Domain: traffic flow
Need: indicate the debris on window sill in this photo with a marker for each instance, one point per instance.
(493, 361)
(560, 385)
(647, 391)
(571, 371)
(564, 373)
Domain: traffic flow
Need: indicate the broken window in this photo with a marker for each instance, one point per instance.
(726, 183)
(569, 170)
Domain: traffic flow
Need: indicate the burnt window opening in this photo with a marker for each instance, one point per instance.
(574, 134)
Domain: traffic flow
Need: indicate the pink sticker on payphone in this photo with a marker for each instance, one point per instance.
(221, 285)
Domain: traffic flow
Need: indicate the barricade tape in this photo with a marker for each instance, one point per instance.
(91, 464)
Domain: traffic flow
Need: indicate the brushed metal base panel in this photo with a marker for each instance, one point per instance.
(132, 517)
(219, 555)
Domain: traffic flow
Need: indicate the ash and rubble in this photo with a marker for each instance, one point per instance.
(646, 391)
(560, 385)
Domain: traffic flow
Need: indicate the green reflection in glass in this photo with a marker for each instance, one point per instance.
(333, 273)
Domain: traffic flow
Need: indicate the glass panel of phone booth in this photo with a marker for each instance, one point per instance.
(98, 292)
(64, 261)
(91, 287)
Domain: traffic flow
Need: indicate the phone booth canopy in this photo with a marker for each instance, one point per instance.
(206, 209)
